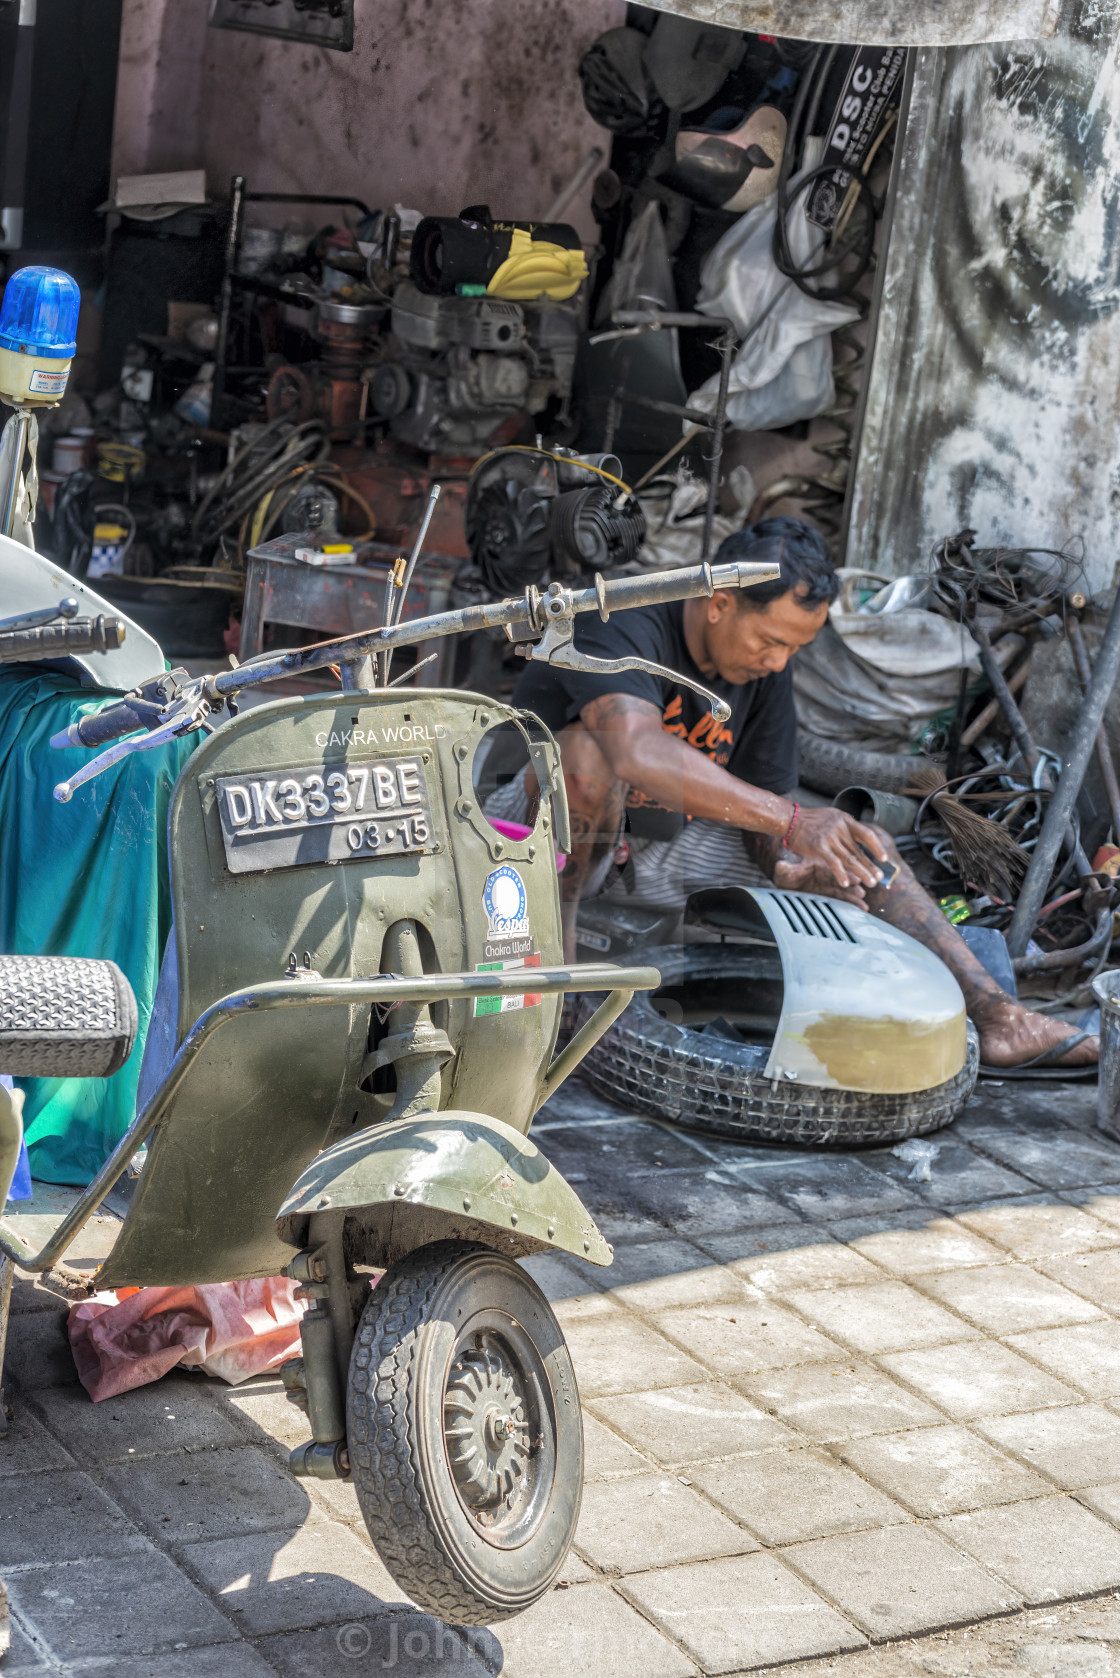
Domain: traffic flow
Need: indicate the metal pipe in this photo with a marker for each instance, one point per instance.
(1075, 760)
(358, 675)
(726, 349)
(281, 993)
(1104, 752)
(585, 1039)
(1054, 960)
(19, 425)
(572, 185)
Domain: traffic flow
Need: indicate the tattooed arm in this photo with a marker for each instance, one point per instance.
(643, 754)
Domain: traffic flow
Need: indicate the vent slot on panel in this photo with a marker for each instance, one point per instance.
(814, 918)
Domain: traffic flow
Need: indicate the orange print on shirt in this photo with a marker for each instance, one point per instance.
(709, 735)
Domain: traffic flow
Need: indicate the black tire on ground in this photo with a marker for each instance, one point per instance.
(464, 1432)
(828, 766)
(710, 1083)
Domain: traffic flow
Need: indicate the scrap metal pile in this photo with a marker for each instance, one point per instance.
(1010, 811)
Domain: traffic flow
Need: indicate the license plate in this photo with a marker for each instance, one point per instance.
(324, 812)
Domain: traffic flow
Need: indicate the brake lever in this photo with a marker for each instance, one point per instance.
(556, 646)
(190, 713)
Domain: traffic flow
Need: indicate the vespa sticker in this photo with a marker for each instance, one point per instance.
(507, 915)
(509, 941)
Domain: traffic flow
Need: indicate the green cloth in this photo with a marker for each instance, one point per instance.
(88, 878)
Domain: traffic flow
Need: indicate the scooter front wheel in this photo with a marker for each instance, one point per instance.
(464, 1430)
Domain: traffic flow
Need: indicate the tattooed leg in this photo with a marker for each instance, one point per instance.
(595, 808)
(1009, 1032)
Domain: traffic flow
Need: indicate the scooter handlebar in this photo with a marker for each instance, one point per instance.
(523, 618)
(57, 640)
(102, 727)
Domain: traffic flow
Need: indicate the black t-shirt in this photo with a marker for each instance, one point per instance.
(758, 743)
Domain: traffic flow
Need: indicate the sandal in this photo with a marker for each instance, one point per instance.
(1042, 1065)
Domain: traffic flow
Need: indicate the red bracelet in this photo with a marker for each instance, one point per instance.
(792, 825)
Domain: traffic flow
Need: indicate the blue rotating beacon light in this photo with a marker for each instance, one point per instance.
(38, 341)
(38, 336)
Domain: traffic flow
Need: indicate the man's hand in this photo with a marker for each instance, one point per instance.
(788, 874)
(831, 840)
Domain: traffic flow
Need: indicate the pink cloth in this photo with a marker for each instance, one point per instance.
(518, 830)
(232, 1330)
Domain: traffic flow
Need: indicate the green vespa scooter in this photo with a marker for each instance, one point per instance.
(364, 990)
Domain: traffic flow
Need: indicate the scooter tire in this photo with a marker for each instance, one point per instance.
(455, 1342)
(707, 1083)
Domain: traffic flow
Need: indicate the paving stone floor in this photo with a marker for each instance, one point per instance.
(838, 1422)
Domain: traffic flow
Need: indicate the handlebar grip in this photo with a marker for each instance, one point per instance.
(115, 721)
(683, 583)
(64, 1017)
(55, 640)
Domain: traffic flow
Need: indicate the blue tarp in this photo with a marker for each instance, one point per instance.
(87, 878)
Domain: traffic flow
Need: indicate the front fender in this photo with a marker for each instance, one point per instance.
(440, 1176)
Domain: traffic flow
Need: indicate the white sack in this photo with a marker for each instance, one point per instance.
(775, 319)
(874, 677)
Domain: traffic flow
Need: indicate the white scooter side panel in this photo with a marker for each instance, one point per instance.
(30, 581)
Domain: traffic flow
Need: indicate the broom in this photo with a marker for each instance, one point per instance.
(986, 854)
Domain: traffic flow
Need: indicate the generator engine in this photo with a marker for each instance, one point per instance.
(533, 513)
(453, 368)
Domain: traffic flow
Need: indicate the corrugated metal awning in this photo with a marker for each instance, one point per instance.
(895, 23)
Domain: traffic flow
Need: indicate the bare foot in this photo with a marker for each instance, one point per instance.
(1011, 1034)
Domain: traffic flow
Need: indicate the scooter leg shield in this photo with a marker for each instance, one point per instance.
(441, 1176)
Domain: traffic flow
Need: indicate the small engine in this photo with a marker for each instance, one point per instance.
(531, 513)
(455, 367)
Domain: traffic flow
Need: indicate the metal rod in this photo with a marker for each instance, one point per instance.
(394, 599)
(1104, 751)
(699, 417)
(988, 715)
(1019, 730)
(726, 350)
(585, 1039)
(358, 675)
(398, 603)
(67, 608)
(1075, 760)
(233, 246)
(572, 185)
(18, 425)
(283, 993)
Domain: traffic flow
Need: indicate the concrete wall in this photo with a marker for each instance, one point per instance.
(993, 400)
(442, 103)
